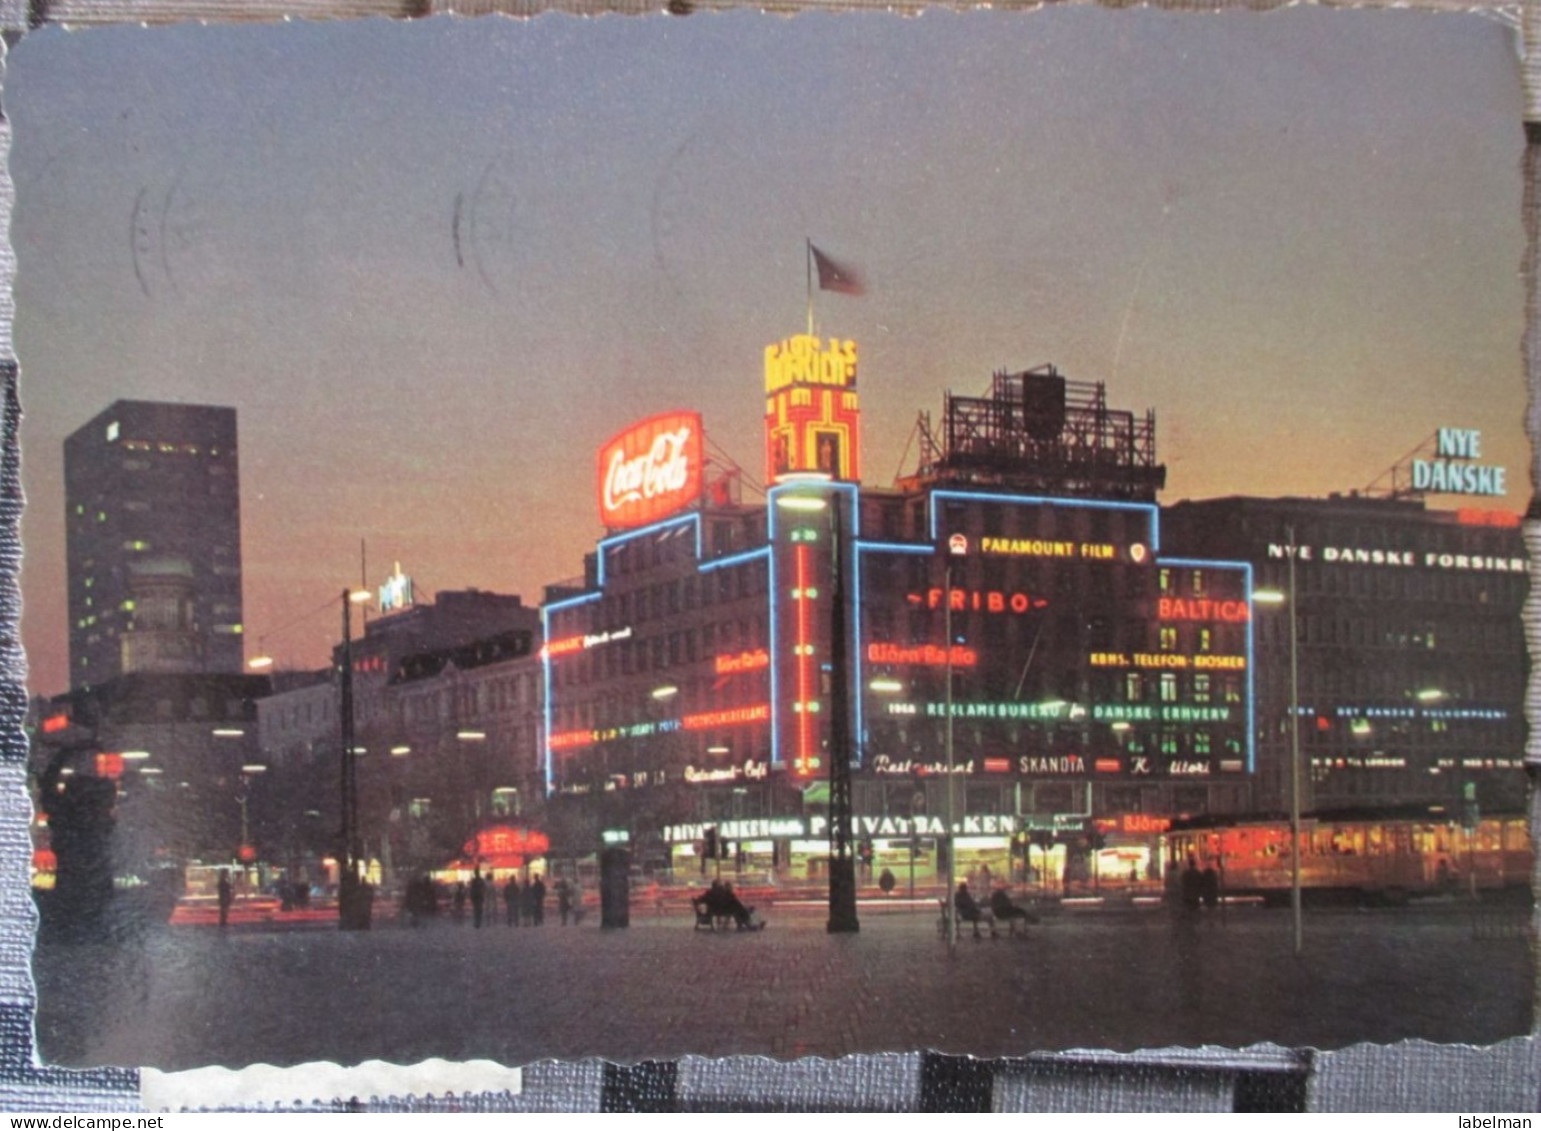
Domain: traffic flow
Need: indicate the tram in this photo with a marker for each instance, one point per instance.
(1386, 855)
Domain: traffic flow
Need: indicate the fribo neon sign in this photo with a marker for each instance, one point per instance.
(650, 470)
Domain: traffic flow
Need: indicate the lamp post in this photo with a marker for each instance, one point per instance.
(842, 864)
(1273, 597)
(353, 896)
(951, 871)
(248, 771)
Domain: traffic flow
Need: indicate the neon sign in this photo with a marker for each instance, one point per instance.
(1043, 548)
(1445, 475)
(742, 662)
(650, 470)
(1355, 555)
(812, 412)
(569, 644)
(751, 770)
(800, 360)
(1202, 608)
(928, 654)
(396, 593)
(1204, 661)
(1059, 710)
(733, 716)
(978, 600)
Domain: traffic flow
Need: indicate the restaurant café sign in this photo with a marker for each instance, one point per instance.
(650, 470)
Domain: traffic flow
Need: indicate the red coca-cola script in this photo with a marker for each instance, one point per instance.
(650, 470)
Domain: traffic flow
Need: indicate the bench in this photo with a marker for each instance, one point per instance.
(710, 920)
(946, 909)
(721, 920)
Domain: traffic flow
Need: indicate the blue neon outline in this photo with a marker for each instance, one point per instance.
(1246, 569)
(853, 528)
(545, 662)
(1045, 500)
(663, 524)
(734, 559)
(862, 547)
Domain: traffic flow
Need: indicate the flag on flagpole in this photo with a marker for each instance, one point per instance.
(841, 278)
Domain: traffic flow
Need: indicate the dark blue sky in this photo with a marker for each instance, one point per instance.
(1294, 235)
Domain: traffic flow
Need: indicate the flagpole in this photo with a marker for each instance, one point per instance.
(808, 245)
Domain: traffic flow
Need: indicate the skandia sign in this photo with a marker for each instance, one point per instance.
(650, 470)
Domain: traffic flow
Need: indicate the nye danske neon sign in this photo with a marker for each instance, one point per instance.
(1448, 473)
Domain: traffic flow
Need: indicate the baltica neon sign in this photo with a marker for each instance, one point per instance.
(1201, 608)
(650, 470)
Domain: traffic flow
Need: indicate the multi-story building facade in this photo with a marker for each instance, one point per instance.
(1410, 649)
(446, 726)
(153, 542)
(700, 679)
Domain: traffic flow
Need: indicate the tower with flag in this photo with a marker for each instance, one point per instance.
(812, 411)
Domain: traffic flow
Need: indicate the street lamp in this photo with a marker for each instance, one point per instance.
(353, 896)
(248, 771)
(1274, 597)
(842, 864)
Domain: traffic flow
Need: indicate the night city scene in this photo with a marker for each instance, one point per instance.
(991, 532)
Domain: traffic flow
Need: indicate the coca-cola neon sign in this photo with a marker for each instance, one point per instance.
(650, 470)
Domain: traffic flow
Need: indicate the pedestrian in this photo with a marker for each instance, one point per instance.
(460, 901)
(537, 902)
(511, 897)
(886, 882)
(1209, 888)
(564, 900)
(226, 897)
(1192, 886)
(478, 899)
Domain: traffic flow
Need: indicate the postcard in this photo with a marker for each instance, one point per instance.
(995, 532)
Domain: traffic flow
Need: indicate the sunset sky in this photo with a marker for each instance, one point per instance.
(435, 265)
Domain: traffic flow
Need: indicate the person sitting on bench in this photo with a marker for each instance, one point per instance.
(732, 905)
(968, 911)
(1008, 912)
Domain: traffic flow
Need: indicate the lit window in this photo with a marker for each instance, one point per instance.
(1169, 687)
(1168, 638)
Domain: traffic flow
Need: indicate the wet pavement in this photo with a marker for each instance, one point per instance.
(1117, 979)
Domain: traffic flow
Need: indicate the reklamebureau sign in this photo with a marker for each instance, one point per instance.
(650, 470)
